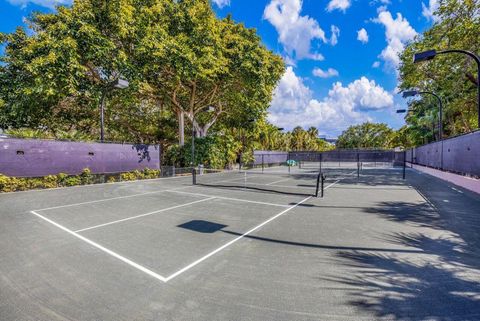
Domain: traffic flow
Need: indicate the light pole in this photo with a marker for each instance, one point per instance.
(430, 54)
(412, 93)
(116, 84)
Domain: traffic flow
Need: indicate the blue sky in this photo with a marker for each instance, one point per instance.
(341, 54)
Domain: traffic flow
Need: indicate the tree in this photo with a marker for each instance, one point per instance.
(450, 76)
(366, 135)
(54, 78)
(202, 64)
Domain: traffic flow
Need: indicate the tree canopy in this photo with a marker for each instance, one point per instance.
(451, 76)
(178, 57)
(367, 135)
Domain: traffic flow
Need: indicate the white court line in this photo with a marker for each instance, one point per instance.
(143, 215)
(281, 180)
(103, 249)
(188, 267)
(229, 198)
(109, 199)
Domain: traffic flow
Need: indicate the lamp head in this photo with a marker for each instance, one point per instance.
(410, 93)
(401, 111)
(424, 56)
(121, 83)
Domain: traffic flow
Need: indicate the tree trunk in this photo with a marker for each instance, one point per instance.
(181, 127)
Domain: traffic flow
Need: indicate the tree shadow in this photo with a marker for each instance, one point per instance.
(421, 214)
(402, 287)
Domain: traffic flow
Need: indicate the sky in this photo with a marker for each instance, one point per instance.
(341, 55)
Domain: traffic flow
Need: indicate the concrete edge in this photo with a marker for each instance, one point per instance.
(468, 183)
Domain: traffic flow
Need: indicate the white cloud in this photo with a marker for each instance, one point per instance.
(341, 5)
(335, 33)
(43, 3)
(330, 72)
(376, 64)
(295, 32)
(362, 35)
(293, 104)
(429, 11)
(397, 32)
(221, 3)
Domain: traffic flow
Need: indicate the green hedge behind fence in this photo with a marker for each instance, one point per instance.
(13, 184)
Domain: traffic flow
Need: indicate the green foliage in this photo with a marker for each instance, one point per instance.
(12, 184)
(367, 135)
(219, 151)
(268, 137)
(451, 76)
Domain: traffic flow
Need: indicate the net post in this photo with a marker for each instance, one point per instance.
(194, 176)
(288, 162)
(404, 163)
(317, 187)
(358, 165)
(320, 160)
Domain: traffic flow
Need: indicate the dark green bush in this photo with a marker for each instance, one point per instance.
(12, 184)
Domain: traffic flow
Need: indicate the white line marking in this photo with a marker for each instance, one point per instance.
(233, 241)
(281, 180)
(109, 199)
(229, 198)
(103, 249)
(143, 215)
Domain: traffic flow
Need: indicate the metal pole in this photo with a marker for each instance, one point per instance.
(358, 165)
(404, 163)
(102, 117)
(323, 184)
(263, 162)
(320, 162)
(193, 146)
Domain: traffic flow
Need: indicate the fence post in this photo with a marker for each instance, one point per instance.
(404, 163)
(358, 165)
(288, 162)
(320, 158)
(194, 176)
(263, 164)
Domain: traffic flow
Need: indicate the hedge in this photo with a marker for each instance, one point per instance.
(13, 184)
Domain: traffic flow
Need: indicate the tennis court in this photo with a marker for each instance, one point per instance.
(253, 245)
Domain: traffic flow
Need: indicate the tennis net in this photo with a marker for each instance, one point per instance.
(303, 184)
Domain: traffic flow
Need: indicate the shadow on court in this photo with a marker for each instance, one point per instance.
(401, 289)
(444, 284)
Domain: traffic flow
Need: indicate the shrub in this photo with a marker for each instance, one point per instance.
(12, 184)
(86, 176)
(73, 180)
(127, 176)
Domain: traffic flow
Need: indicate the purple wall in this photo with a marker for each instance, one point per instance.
(459, 154)
(36, 157)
